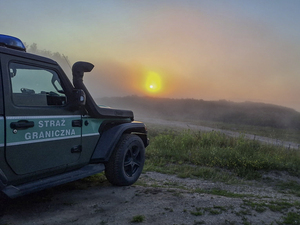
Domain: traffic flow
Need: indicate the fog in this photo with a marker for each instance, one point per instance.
(204, 57)
(234, 50)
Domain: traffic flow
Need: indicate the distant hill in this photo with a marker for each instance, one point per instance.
(250, 113)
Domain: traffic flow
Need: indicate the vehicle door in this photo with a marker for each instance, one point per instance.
(2, 157)
(43, 133)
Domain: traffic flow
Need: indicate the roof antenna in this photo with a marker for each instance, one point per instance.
(67, 61)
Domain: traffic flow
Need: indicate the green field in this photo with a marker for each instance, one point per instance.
(214, 155)
(281, 134)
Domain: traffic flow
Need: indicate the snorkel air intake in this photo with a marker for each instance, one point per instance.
(78, 70)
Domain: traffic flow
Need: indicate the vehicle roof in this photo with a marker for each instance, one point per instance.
(26, 55)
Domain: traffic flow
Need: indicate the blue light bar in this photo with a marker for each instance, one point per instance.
(12, 42)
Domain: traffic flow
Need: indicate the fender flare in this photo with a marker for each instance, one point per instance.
(109, 139)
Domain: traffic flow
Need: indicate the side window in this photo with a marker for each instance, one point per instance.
(34, 86)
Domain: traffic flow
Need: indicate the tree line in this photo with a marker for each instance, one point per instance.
(248, 113)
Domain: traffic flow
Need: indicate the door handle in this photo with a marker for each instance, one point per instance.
(76, 123)
(21, 124)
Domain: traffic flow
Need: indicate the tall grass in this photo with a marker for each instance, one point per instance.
(246, 158)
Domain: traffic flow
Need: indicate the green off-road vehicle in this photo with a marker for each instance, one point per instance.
(53, 132)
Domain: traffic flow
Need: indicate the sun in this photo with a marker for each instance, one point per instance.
(153, 82)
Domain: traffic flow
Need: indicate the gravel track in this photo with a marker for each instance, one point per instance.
(158, 198)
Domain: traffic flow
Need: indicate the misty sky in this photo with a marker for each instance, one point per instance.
(240, 50)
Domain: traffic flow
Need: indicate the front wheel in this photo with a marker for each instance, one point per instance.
(126, 162)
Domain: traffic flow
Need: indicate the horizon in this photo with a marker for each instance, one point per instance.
(195, 99)
(238, 51)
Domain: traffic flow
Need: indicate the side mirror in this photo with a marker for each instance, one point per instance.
(79, 97)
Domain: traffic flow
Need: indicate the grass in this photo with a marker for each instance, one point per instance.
(188, 153)
(138, 219)
(280, 134)
(192, 171)
(291, 187)
(216, 210)
(288, 134)
(257, 206)
(291, 218)
(275, 206)
(197, 213)
(221, 192)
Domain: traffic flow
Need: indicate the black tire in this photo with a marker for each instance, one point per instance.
(127, 161)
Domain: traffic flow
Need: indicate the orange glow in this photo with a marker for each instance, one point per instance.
(153, 82)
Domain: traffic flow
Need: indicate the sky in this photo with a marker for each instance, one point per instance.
(237, 50)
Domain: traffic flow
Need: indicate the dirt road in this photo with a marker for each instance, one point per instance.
(156, 199)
